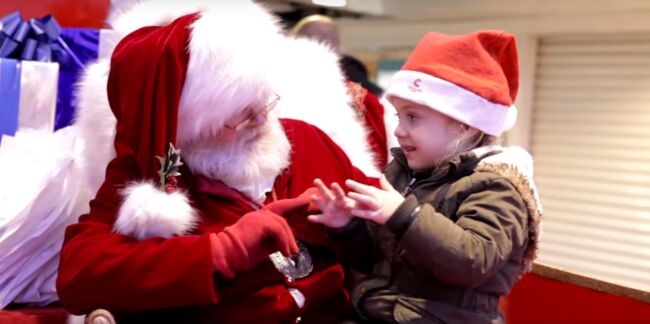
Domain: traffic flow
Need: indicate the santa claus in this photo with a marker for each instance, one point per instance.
(202, 212)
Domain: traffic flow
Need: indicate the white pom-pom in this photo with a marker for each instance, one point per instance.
(150, 212)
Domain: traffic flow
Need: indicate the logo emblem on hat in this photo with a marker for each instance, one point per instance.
(415, 87)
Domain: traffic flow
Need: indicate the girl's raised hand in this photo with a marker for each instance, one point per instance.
(335, 206)
(377, 205)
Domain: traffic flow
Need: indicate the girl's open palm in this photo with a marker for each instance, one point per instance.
(334, 205)
(374, 204)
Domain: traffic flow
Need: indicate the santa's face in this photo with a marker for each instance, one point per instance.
(249, 133)
(248, 125)
(246, 158)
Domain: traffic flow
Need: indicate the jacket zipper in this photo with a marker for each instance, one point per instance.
(408, 188)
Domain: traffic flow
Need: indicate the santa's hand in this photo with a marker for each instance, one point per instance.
(333, 203)
(301, 205)
(377, 205)
(248, 242)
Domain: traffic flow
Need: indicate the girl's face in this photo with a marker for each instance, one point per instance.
(424, 134)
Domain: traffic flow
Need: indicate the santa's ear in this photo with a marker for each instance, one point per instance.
(147, 211)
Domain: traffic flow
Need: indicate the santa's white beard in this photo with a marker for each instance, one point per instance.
(246, 164)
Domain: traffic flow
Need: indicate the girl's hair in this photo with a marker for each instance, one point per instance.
(469, 139)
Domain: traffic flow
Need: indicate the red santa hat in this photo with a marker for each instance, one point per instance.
(174, 84)
(145, 83)
(471, 78)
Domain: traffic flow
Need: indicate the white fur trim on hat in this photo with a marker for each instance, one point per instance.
(149, 212)
(227, 71)
(454, 101)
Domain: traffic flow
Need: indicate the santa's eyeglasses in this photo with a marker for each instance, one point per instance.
(267, 108)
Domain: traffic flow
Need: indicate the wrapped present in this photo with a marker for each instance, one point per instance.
(39, 204)
(88, 45)
(38, 84)
(84, 43)
(27, 95)
(34, 40)
(43, 40)
(9, 96)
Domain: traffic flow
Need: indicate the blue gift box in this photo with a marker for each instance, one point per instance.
(84, 43)
(9, 96)
(44, 40)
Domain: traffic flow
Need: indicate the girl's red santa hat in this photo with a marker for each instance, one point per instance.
(471, 78)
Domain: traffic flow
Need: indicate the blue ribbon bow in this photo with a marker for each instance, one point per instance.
(34, 40)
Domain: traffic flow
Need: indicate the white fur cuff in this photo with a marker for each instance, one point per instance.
(149, 212)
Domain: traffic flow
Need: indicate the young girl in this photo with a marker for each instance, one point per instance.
(456, 220)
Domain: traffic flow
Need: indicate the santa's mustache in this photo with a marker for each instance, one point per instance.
(258, 154)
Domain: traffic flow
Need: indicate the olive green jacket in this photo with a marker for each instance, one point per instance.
(464, 234)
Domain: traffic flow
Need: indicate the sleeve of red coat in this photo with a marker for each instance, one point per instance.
(102, 269)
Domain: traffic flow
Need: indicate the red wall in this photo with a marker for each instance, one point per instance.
(69, 13)
(536, 299)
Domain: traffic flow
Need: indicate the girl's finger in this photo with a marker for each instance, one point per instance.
(324, 191)
(368, 201)
(338, 191)
(360, 187)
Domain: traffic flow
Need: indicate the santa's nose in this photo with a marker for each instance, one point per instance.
(260, 119)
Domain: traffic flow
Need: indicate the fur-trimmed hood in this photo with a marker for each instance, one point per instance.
(516, 165)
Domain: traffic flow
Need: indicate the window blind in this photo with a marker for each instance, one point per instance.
(591, 145)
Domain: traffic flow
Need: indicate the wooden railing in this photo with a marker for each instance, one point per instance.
(569, 277)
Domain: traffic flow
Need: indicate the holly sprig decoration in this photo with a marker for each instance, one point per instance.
(169, 169)
(358, 93)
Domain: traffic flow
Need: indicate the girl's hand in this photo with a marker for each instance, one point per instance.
(377, 205)
(334, 205)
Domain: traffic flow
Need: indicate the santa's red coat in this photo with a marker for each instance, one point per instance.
(374, 118)
(173, 279)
